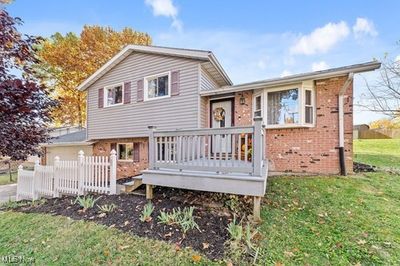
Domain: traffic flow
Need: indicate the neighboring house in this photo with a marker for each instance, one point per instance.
(308, 117)
(66, 147)
(59, 131)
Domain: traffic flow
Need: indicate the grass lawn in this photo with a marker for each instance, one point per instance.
(5, 178)
(51, 240)
(384, 153)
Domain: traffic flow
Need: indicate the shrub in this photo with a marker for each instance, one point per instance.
(235, 230)
(86, 202)
(107, 208)
(146, 213)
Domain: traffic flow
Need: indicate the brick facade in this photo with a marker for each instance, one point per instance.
(125, 168)
(308, 150)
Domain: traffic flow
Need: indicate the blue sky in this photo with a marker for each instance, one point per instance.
(252, 39)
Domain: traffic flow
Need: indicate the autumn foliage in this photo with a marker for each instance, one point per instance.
(67, 60)
(25, 105)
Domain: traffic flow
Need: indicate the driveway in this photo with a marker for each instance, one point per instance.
(8, 192)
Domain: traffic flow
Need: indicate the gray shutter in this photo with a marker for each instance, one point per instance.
(136, 152)
(127, 92)
(175, 83)
(101, 98)
(140, 90)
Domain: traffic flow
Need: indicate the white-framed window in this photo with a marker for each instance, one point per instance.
(257, 110)
(125, 151)
(114, 95)
(288, 106)
(157, 86)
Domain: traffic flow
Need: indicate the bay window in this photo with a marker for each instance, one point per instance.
(289, 106)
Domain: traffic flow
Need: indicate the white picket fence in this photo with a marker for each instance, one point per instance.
(87, 174)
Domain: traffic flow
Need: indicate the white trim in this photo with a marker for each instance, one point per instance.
(105, 99)
(146, 86)
(60, 144)
(124, 143)
(258, 94)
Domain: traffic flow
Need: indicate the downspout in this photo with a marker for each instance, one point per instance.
(341, 123)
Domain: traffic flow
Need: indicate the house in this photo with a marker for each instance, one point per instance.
(357, 129)
(66, 146)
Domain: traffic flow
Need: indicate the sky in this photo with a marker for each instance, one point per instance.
(253, 40)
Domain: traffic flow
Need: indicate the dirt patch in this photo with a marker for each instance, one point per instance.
(363, 168)
(212, 220)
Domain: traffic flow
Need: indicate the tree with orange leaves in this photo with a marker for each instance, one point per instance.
(67, 60)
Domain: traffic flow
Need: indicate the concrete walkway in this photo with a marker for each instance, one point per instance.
(8, 192)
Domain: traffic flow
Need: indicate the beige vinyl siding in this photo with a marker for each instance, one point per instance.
(132, 120)
(206, 83)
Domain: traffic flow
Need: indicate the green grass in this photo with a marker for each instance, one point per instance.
(384, 153)
(332, 220)
(51, 240)
(5, 178)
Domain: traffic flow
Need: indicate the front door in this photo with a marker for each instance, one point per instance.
(221, 116)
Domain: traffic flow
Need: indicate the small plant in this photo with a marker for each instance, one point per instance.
(12, 204)
(235, 230)
(107, 208)
(86, 202)
(146, 213)
(35, 203)
(184, 218)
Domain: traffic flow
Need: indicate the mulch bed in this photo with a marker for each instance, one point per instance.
(212, 218)
(363, 168)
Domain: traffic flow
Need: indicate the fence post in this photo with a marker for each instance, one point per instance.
(56, 177)
(113, 172)
(152, 157)
(258, 148)
(81, 156)
(19, 183)
(35, 182)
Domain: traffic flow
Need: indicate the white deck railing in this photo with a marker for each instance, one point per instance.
(87, 174)
(222, 150)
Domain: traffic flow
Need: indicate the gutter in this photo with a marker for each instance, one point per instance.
(67, 144)
(342, 91)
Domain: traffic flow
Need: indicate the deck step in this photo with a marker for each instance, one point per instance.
(134, 184)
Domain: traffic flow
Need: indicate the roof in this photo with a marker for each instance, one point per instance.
(207, 56)
(71, 139)
(329, 73)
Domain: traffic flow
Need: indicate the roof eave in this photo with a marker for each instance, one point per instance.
(370, 66)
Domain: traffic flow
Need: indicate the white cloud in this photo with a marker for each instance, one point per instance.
(364, 27)
(321, 39)
(397, 59)
(317, 66)
(285, 73)
(166, 8)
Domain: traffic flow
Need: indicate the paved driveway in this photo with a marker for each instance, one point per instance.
(7, 192)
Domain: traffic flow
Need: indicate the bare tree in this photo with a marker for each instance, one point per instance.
(384, 93)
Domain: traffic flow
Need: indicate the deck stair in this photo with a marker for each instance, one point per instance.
(133, 185)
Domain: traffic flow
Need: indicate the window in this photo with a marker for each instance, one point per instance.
(309, 107)
(157, 86)
(113, 95)
(125, 151)
(257, 106)
(283, 107)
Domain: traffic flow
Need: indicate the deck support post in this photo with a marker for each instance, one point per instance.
(257, 209)
(149, 192)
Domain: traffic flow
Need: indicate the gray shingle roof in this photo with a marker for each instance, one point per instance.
(79, 136)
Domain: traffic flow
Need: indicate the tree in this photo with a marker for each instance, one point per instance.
(67, 60)
(384, 94)
(385, 124)
(25, 105)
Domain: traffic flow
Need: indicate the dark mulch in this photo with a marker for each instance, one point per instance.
(212, 219)
(361, 167)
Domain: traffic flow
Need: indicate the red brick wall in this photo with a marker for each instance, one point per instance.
(309, 150)
(124, 169)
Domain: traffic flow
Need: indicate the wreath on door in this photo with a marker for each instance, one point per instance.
(219, 113)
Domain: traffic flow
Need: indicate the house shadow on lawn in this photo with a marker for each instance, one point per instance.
(212, 213)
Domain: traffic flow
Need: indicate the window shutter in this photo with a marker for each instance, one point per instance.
(113, 146)
(140, 90)
(136, 152)
(127, 92)
(175, 83)
(101, 98)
